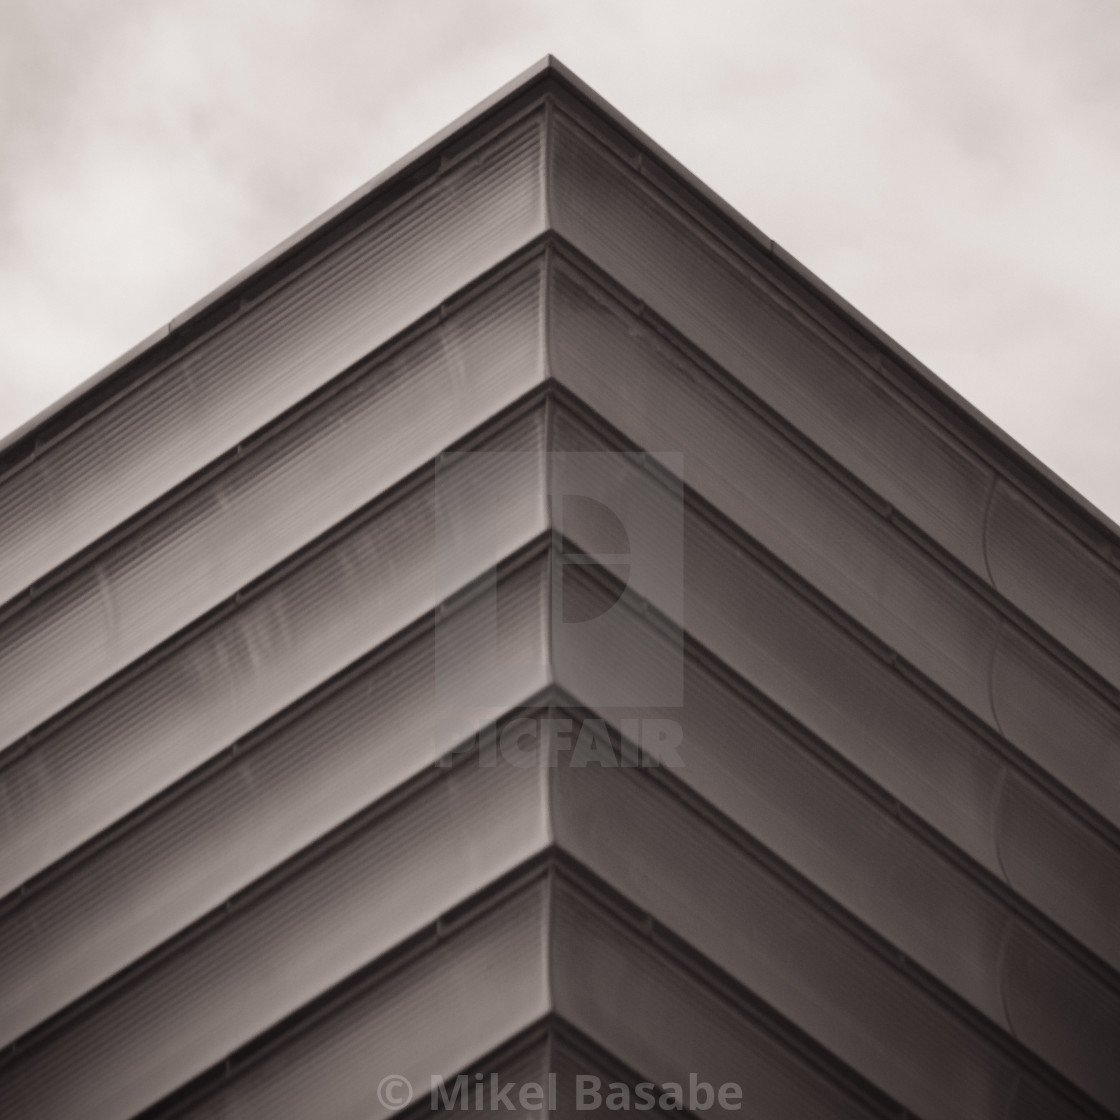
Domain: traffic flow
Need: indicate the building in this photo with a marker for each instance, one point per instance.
(347, 616)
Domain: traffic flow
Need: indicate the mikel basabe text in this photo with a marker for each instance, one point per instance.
(490, 1094)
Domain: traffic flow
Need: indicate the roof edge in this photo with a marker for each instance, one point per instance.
(23, 442)
(805, 278)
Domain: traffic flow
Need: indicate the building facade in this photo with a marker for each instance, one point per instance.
(527, 636)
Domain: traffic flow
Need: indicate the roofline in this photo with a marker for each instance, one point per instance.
(406, 163)
(27, 436)
(804, 277)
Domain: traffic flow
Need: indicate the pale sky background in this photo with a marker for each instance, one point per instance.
(952, 168)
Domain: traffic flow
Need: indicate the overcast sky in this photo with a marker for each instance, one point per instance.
(951, 167)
